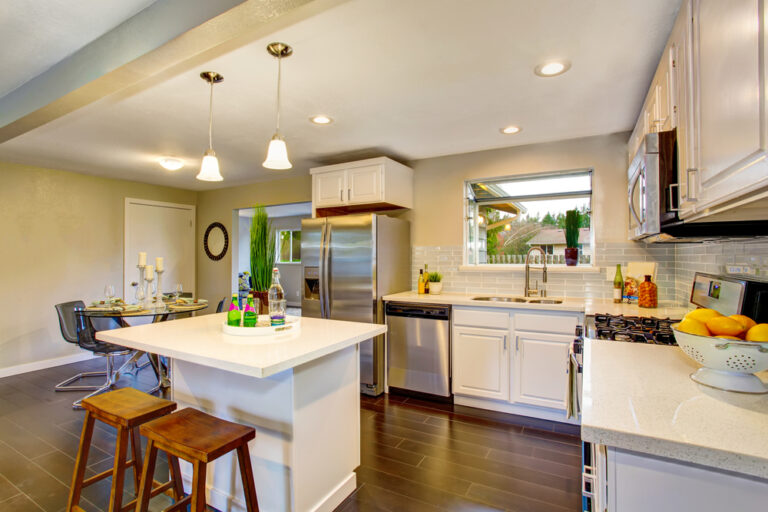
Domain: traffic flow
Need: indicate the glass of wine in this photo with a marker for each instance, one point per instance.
(109, 293)
(179, 290)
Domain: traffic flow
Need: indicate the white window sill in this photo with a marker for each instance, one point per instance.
(287, 263)
(555, 269)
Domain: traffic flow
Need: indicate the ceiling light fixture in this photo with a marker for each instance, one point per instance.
(552, 68)
(171, 164)
(510, 130)
(321, 119)
(209, 169)
(277, 152)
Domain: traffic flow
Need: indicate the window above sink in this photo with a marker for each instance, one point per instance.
(506, 216)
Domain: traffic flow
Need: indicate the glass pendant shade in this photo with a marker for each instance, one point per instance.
(209, 170)
(277, 154)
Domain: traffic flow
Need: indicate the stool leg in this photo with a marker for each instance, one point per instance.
(82, 461)
(175, 474)
(198, 487)
(147, 477)
(118, 473)
(246, 473)
(136, 454)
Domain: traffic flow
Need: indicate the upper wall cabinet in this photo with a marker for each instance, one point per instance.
(367, 185)
(730, 101)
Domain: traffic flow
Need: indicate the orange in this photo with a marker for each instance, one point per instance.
(723, 325)
(723, 336)
(692, 326)
(702, 314)
(758, 333)
(746, 322)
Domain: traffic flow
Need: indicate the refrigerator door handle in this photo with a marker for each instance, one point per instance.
(321, 275)
(326, 277)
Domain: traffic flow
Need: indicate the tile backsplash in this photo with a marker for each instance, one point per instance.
(674, 275)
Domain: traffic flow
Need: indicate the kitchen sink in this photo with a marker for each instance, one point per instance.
(501, 299)
(545, 301)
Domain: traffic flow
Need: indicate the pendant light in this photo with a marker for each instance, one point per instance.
(209, 169)
(277, 153)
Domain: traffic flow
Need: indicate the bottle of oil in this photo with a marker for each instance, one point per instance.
(421, 282)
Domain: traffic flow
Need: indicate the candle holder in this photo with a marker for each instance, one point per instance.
(158, 292)
(148, 294)
(140, 295)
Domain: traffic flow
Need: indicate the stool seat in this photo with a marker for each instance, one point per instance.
(198, 438)
(197, 435)
(127, 407)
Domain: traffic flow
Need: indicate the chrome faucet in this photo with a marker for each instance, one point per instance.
(530, 292)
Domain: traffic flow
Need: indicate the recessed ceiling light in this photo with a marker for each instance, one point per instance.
(172, 164)
(552, 68)
(321, 119)
(509, 130)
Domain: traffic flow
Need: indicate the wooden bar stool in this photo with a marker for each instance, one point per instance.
(198, 438)
(125, 409)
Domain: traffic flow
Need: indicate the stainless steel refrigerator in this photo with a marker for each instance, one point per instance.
(349, 262)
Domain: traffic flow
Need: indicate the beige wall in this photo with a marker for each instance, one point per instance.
(437, 215)
(214, 278)
(62, 240)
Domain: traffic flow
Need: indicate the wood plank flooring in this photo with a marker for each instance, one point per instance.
(416, 455)
(425, 456)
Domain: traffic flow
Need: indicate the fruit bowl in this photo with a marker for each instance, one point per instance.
(727, 364)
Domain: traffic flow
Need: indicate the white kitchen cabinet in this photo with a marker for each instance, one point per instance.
(380, 183)
(540, 376)
(730, 101)
(481, 362)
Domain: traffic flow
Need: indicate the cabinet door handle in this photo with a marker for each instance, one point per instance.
(690, 174)
(505, 342)
(517, 343)
(341, 194)
(349, 194)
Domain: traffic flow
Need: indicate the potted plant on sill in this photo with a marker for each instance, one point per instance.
(262, 257)
(435, 283)
(572, 223)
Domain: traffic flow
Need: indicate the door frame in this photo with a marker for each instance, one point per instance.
(146, 202)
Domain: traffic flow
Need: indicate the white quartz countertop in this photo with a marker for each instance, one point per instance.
(639, 397)
(201, 340)
(586, 306)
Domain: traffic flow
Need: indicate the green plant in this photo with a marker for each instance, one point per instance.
(572, 223)
(434, 277)
(262, 250)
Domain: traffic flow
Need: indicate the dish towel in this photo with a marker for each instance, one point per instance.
(572, 407)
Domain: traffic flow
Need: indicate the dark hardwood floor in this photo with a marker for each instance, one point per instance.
(416, 455)
(426, 456)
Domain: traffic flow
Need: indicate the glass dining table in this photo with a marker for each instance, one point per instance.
(157, 313)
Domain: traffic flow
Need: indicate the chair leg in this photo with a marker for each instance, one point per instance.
(175, 474)
(147, 477)
(198, 487)
(246, 473)
(118, 473)
(136, 455)
(105, 387)
(80, 464)
(65, 385)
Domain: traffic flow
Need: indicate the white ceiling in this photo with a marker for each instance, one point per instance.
(407, 79)
(35, 35)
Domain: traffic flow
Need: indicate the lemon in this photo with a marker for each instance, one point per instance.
(692, 326)
(725, 326)
(746, 322)
(758, 333)
(702, 314)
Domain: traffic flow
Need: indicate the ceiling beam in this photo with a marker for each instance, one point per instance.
(163, 39)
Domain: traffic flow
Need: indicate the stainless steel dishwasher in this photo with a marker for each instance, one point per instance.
(419, 348)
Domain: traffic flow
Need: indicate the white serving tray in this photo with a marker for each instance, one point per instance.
(292, 326)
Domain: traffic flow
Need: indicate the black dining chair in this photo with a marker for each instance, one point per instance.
(79, 330)
(220, 307)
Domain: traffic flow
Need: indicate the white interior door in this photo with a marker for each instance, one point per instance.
(159, 229)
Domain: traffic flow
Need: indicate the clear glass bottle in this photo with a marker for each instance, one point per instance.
(276, 298)
(233, 316)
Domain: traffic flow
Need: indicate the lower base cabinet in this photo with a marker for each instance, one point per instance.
(540, 369)
(480, 366)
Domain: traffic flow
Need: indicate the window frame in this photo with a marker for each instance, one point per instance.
(290, 246)
(470, 212)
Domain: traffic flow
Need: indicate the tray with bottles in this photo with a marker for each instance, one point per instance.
(264, 327)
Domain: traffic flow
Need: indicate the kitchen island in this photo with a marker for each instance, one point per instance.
(668, 443)
(300, 391)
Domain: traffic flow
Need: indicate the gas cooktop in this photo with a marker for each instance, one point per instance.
(635, 329)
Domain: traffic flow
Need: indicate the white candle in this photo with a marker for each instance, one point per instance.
(142, 259)
(149, 272)
(159, 263)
